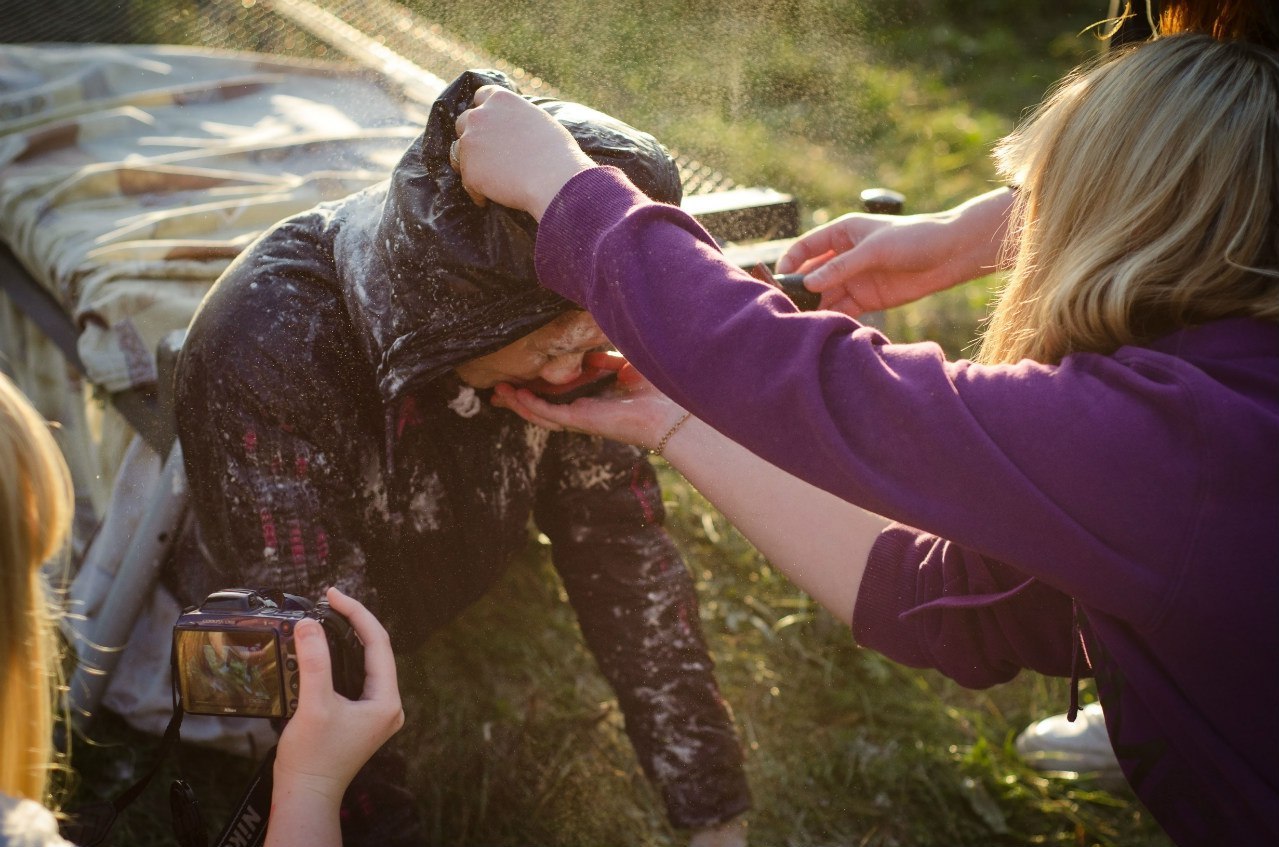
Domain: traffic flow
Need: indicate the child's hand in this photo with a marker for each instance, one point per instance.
(329, 738)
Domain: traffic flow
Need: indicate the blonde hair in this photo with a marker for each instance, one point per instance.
(35, 514)
(1147, 202)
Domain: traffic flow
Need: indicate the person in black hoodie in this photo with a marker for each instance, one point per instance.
(331, 400)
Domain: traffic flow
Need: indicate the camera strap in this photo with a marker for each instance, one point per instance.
(90, 824)
(247, 826)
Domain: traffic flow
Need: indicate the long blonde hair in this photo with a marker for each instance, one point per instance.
(35, 514)
(1147, 203)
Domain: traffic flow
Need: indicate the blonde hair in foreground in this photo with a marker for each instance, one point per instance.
(1147, 202)
(35, 513)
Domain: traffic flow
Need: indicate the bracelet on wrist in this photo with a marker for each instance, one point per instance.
(661, 445)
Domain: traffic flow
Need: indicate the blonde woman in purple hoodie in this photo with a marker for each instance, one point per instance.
(1097, 494)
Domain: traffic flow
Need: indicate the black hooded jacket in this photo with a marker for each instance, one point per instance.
(328, 441)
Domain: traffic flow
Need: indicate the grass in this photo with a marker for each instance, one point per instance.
(514, 736)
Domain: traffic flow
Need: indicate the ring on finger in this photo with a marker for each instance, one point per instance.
(454, 162)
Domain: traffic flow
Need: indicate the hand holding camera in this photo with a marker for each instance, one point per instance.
(330, 736)
(326, 668)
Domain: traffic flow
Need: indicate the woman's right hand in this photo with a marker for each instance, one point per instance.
(329, 737)
(634, 412)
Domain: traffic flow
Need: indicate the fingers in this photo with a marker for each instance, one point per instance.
(555, 416)
(380, 680)
(816, 262)
(507, 397)
(817, 250)
(484, 93)
(559, 416)
(826, 240)
(789, 263)
(455, 162)
(477, 113)
(840, 269)
(482, 96)
(456, 148)
(313, 662)
(629, 376)
(839, 301)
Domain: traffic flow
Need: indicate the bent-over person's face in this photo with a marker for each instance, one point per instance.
(553, 352)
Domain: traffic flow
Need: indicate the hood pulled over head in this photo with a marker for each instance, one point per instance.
(461, 276)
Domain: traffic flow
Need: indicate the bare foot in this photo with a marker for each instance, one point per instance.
(731, 834)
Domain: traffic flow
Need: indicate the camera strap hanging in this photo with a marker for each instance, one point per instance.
(247, 826)
(91, 824)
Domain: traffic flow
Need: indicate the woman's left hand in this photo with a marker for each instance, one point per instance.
(634, 411)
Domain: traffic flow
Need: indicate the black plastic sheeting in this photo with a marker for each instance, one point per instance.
(460, 276)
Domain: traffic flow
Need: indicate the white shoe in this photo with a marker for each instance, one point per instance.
(1078, 747)
(730, 834)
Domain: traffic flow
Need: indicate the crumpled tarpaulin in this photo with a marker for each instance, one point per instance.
(130, 178)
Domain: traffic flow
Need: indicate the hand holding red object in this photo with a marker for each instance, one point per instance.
(636, 413)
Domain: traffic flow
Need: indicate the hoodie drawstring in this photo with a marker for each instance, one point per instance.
(1078, 652)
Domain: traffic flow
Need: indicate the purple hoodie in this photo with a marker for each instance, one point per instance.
(1115, 512)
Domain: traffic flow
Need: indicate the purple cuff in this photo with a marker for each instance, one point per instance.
(586, 208)
(888, 589)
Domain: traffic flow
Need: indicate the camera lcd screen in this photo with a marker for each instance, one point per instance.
(230, 672)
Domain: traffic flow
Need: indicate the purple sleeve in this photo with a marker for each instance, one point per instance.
(976, 620)
(996, 459)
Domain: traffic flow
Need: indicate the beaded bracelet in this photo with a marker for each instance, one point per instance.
(661, 445)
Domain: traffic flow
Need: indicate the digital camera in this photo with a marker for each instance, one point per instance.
(234, 654)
